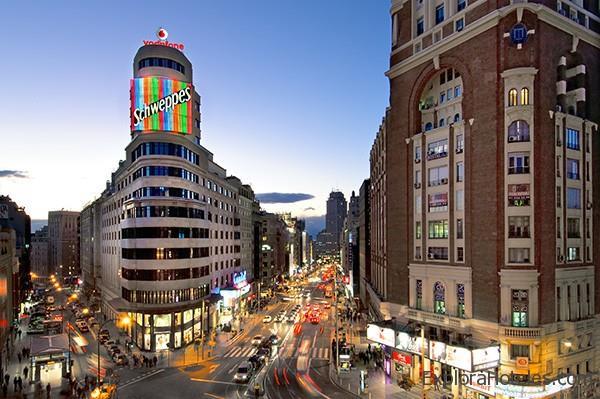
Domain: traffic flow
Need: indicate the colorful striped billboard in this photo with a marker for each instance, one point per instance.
(161, 104)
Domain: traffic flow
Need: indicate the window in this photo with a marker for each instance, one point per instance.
(438, 229)
(573, 198)
(456, 118)
(442, 78)
(418, 230)
(572, 169)
(459, 229)
(460, 300)
(418, 205)
(558, 197)
(460, 143)
(572, 139)
(573, 254)
(457, 91)
(417, 252)
(518, 163)
(442, 97)
(420, 26)
(573, 228)
(449, 93)
(558, 227)
(419, 299)
(161, 62)
(512, 97)
(439, 14)
(460, 172)
(437, 149)
(439, 298)
(518, 131)
(519, 351)
(524, 96)
(520, 308)
(417, 178)
(442, 122)
(518, 255)
(460, 254)
(460, 5)
(438, 202)
(428, 126)
(417, 153)
(518, 227)
(438, 253)
(438, 175)
(460, 200)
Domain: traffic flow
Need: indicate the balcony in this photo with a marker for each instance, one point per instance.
(431, 155)
(522, 332)
(437, 319)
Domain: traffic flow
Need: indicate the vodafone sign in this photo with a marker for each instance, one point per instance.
(162, 35)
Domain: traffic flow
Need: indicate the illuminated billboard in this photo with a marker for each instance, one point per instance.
(161, 104)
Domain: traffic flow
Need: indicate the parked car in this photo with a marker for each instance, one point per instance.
(279, 318)
(244, 372)
(121, 360)
(256, 341)
(109, 343)
(267, 319)
(82, 325)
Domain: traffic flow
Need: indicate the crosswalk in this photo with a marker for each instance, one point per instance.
(288, 352)
(240, 352)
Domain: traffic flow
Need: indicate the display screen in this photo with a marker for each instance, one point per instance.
(161, 104)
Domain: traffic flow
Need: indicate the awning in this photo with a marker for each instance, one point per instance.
(49, 345)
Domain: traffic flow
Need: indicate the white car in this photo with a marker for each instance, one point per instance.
(256, 341)
(82, 325)
(279, 318)
(267, 319)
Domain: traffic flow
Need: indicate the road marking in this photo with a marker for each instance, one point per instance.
(140, 378)
(213, 368)
(215, 381)
(214, 396)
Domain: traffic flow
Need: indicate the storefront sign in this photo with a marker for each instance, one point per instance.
(408, 343)
(534, 391)
(159, 103)
(486, 358)
(162, 35)
(381, 335)
(403, 358)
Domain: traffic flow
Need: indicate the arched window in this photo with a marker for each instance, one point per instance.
(456, 117)
(512, 97)
(524, 96)
(518, 131)
(439, 298)
(442, 122)
(428, 126)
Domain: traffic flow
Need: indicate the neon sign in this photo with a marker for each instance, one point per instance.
(162, 35)
(161, 104)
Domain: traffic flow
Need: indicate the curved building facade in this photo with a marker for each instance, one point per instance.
(170, 217)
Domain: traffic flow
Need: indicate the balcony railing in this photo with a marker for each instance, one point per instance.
(521, 332)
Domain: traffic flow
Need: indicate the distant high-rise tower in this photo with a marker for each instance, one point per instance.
(336, 213)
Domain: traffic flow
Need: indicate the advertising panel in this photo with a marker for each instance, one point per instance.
(458, 357)
(486, 358)
(161, 104)
(381, 335)
(437, 351)
(408, 343)
(402, 358)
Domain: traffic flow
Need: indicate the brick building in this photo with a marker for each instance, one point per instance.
(491, 189)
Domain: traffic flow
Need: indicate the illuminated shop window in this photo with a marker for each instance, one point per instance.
(439, 298)
(520, 308)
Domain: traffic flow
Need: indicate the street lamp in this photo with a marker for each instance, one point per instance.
(125, 321)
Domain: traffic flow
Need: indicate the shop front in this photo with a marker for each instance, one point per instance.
(160, 331)
(402, 365)
(235, 302)
(48, 361)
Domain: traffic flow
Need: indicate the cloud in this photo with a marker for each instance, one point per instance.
(13, 173)
(283, 198)
(310, 208)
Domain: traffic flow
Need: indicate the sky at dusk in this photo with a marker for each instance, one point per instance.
(292, 93)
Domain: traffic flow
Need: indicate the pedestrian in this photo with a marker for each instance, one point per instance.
(15, 383)
(4, 390)
(19, 333)
(19, 357)
(48, 388)
(25, 371)
(6, 379)
(155, 360)
(20, 383)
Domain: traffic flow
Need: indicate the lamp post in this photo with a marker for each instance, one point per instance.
(124, 321)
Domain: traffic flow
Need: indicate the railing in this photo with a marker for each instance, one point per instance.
(522, 332)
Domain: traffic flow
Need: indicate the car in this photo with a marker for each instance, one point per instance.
(114, 351)
(82, 325)
(327, 305)
(257, 340)
(306, 295)
(51, 308)
(267, 319)
(314, 320)
(274, 339)
(244, 372)
(279, 318)
(121, 360)
(104, 333)
(263, 353)
(291, 319)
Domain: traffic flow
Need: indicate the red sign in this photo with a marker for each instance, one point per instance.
(402, 358)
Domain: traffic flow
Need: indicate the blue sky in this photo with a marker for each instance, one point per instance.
(292, 92)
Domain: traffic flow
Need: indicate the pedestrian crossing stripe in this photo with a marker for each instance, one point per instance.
(320, 353)
(240, 352)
